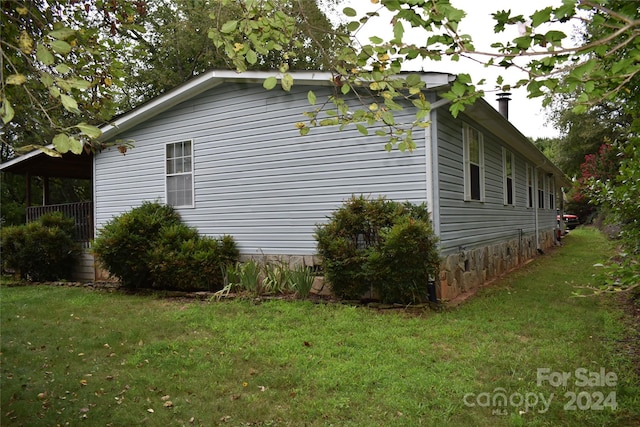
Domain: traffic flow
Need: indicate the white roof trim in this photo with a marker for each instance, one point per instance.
(23, 157)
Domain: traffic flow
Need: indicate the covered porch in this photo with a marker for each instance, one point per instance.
(68, 166)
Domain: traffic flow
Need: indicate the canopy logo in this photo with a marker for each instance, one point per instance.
(593, 399)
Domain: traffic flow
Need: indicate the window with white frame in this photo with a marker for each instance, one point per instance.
(529, 186)
(509, 182)
(179, 170)
(541, 184)
(473, 154)
(552, 193)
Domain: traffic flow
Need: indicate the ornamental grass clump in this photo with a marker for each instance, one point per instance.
(379, 245)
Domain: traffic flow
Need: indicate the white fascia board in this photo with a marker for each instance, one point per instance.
(435, 79)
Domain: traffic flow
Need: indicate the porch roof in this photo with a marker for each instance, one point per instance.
(38, 163)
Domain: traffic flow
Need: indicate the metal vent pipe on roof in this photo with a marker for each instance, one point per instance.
(503, 104)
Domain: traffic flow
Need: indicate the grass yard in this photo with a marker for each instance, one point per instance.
(73, 356)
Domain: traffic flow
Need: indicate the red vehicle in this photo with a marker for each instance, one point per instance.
(570, 221)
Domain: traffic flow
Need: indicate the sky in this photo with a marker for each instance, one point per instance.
(526, 114)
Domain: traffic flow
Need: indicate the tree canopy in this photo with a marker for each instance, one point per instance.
(59, 69)
(175, 45)
(68, 66)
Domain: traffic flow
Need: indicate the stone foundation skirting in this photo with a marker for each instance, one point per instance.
(467, 270)
(461, 272)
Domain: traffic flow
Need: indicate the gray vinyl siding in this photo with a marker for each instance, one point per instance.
(255, 177)
(469, 224)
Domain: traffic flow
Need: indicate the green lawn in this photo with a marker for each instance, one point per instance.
(72, 356)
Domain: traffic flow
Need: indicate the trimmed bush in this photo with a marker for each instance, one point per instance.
(124, 242)
(150, 247)
(405, 261)
(380, 245)
(40, 251)
(184, 260)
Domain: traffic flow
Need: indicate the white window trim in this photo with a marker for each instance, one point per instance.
(551, 192)
(167, 175)
(541, 185)
(532, 201)
(506, 153)
(466, 162)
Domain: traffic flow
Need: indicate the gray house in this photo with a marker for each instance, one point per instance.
(226, 153)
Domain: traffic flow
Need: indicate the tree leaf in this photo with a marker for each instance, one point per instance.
(398, 31)
(89, 130)
(6, 111)
(541, 16)
(387, 118)
(16, 79)
(413, 80)
(81, 84)
(362, 129)
(75, 146)
(25, 42)
(69, 103)
(62, 33)
(43, 55)
(286, 81)
(269, 83)
(48, 151)
(349, 11)
(61, 143)
(353, 26)
(229, 27)
(63, 68)
(311, 97)
(251, 57)
(60, 46)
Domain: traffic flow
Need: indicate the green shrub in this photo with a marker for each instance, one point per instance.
(124, 242)
(150, 247)
(40, 251)
(405, 261)
(228, 250)
(184, 260)
(379, 245)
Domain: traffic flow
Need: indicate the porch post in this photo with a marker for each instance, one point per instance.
(28, 189)
(45, 191)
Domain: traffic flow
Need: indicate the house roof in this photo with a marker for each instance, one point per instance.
(481, 112)
(38, 163)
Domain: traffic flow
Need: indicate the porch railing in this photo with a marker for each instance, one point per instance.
(81, 212)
